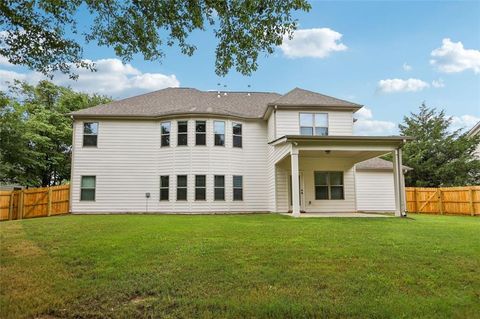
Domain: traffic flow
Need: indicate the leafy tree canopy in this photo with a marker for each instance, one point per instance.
(39, 33)
(439, 155)
(36, 132)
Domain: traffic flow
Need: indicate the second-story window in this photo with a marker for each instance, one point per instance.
(200, 133)
(182, 135)
(237, 135)
(313, 123)
(219, 130)
(165, 141)
(90, 133)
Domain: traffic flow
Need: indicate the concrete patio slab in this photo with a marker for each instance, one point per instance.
(348, 215)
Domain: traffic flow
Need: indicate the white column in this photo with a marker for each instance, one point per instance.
(396, 180)
(295, 183)
(403, 199)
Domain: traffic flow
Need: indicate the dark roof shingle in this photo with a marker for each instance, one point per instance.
(377, 163)
(175, 101)
(301, 97)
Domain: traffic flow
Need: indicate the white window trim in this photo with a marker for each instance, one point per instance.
(224, 133)
(233, 135)
(169, 134)
(83, 133)
(313, 127)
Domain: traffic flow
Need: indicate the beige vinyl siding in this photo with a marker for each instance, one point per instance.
(339, 122)
(275, 154)
(375, 190)
(129, 161)
(308, 165)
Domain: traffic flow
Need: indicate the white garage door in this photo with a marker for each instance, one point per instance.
(375, 191)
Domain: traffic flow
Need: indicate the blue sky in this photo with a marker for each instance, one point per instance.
(375, 53)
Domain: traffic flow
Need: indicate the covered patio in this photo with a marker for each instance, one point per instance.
(320, 171)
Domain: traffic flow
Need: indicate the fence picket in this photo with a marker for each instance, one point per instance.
(34, 202)
(449, 200)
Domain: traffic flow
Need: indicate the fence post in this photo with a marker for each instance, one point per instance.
(440, 201)
(415, 200)
(10, 205)
(21, 204)
(472, 207)
(49, 207)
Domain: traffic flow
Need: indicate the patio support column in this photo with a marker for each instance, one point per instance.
(295, 183)
(399, 183)
(403, 201)
(396, 184)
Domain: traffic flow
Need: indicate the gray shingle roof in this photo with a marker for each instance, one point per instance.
(174, 101)
(377, 163)
(301, 97)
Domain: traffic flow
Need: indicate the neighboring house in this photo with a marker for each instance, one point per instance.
(181, 150)
(475, 131)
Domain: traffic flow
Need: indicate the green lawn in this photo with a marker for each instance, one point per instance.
(240, 266)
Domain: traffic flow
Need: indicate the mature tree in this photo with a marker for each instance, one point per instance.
(36, 133)
(39, 33)
(439, 155)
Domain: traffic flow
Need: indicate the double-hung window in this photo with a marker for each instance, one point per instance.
(165, 134)
(182, 133)
(87, 188)
(219, 187)
(200, 187)
(200, 133)
(237, 187)
(313, 123)
(164, 187)
(237, 135)
(329, 185)
(181, 187)
(90, 133)
(219, 132)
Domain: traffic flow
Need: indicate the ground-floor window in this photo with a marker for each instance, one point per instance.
(181, 187)
(219, 185)
(237, 187)
(200, 187)
(164, 186)
(329, 185)
(87, 188)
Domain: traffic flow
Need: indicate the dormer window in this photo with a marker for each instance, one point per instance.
(314, 124)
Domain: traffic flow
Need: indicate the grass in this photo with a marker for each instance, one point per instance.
(240, 266)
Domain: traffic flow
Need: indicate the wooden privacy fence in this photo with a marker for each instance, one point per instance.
(444, 200)
(34, 202)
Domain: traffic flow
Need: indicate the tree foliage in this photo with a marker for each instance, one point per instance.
(439, 155)
(36, 132)
(39, 33)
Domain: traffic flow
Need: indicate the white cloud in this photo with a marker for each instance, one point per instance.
(438, 83)
(452, 57)
(399, 85)
(314, 43)
(406, 67)
(465, 122)
(366, 125)
(111, 78)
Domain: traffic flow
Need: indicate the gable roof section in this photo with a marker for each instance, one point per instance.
(377, 163)
(301, 97)
(176, 101)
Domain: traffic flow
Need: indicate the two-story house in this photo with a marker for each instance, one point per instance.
(181, 150)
